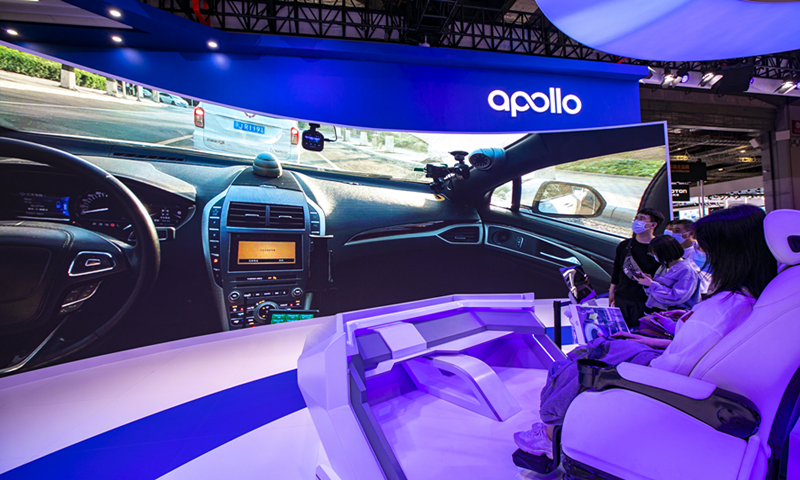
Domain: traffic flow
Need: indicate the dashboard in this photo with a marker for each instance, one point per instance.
(31, 193)
(239, 250)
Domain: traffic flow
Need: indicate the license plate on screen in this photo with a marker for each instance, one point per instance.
(248, 127)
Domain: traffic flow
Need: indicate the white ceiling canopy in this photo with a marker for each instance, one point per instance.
(679, 30)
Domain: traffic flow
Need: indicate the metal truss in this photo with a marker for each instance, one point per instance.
(440, 23)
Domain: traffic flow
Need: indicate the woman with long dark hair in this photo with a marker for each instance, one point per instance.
(741, 265)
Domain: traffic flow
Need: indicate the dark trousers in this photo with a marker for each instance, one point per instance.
(632, 311)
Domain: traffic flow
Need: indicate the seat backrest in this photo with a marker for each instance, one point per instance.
(759, 358)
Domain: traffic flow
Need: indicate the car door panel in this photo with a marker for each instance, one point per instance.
(554, 244)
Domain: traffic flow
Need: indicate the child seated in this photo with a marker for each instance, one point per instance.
(676, 283)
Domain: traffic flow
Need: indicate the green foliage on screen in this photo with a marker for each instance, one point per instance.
(615, 166)
(26, 64)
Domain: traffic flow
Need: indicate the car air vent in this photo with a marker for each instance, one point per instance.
(140, 156)
(248, 215)
(462, 235)
(286, 216)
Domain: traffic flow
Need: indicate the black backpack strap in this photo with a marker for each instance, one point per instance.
(785, 418)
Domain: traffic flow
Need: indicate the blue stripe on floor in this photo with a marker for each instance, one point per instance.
(155, 445)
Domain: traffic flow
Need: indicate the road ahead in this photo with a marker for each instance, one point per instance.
(42, 108)
(37, 105)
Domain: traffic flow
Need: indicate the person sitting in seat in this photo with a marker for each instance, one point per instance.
(676, 283)
(742, 266)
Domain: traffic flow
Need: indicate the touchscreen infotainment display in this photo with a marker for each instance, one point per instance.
(266, 253)
(252, 252)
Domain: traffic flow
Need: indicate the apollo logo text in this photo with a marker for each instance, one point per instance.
(539, 102)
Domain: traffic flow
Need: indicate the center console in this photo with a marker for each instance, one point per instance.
(257, 238)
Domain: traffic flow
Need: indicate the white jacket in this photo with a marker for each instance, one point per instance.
(710, 320)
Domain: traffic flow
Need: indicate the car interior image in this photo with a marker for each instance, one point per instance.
(240, 245)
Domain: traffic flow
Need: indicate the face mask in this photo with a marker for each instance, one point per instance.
(676, 236)
(638, 226)
(687, 252)
(699, 258)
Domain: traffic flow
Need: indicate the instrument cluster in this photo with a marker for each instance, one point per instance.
(92, 208)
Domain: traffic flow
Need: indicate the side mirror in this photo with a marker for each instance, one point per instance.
(312, 139)
(561, 199)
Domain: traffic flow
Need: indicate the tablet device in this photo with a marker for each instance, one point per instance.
(592, 322)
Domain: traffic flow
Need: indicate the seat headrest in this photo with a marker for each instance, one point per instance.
(782, 231)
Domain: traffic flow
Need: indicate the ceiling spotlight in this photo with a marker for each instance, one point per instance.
(788, 84)
(212, 44)
(670, 78)
(115, 13)
(117, 39)
(12, 32)
(650, 73)
(710, 77)
(683, 76)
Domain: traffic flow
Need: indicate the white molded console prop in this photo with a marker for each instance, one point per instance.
(403, 339)
(484, 393)
(323, 380)
(365, 359)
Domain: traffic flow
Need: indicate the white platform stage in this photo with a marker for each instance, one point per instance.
(227, 406)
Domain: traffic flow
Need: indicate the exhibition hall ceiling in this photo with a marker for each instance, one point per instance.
(682, 30)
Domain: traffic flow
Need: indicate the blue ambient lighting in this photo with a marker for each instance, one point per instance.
(61, 205)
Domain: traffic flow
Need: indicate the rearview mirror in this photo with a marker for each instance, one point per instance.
(561, 199)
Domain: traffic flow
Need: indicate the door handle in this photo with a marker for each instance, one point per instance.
(572, 260)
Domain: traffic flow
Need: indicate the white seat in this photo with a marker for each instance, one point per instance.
(619, 433)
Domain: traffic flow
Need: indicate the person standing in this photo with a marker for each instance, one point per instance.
(683, 232)
(631, 263)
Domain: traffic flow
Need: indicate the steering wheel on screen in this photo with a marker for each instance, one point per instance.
(50, 270)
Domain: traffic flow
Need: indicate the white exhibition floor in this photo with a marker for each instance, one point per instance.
(432, 440)
(48, 410)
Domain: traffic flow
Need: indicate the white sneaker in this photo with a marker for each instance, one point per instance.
(535, 441)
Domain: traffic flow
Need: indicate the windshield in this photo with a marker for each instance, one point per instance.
(41, 96)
